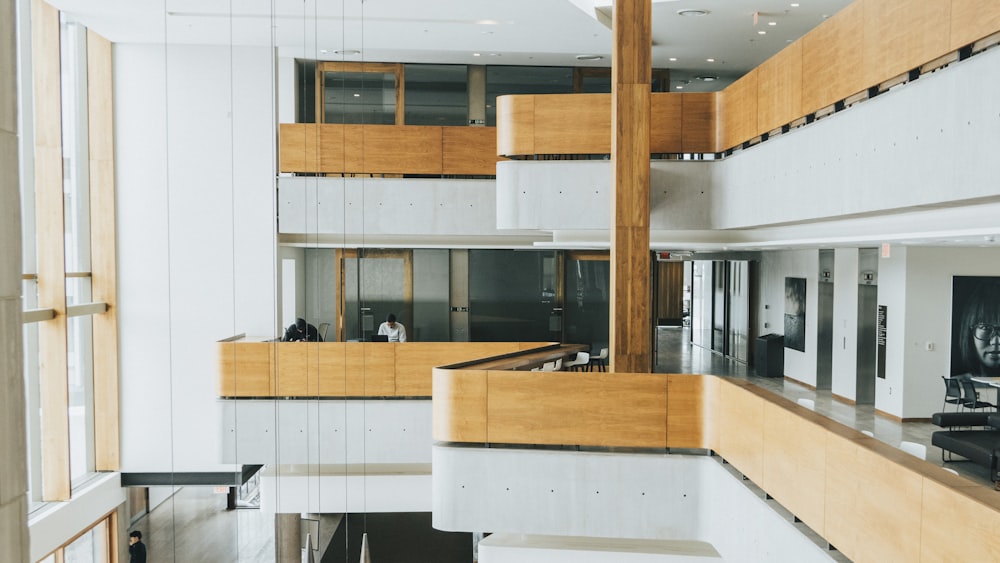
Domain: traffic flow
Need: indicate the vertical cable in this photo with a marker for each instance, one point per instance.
(170, 308)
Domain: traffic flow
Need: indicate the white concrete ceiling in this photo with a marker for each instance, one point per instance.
(507, 32)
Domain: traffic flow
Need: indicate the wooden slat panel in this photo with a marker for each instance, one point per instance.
(779, 89)
(957, 527)
(972, 20)
(459, 406)
(52, 348)
(331, 369)
(686, 411)
(670, 290)
(246, 369)
(394, 149)
(470, 150)
(295, 369)
(888, 505)
(841, 490)
(572, 124)
(375, 149)
(666, 122)
(298, 149)
(371, 369)
(832, 59)
(739, 111)
(794, 464)
(699, 122)
(104, 283)
(900, 35)
(740, 418)
(590, 409)
(515, 125)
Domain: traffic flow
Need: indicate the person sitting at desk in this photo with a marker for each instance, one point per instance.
(394, 330)
(301, 331)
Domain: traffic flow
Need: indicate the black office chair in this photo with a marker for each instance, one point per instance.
(971, 397)
(952, 393)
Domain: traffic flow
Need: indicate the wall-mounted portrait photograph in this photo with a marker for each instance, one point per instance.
(795, 314)
(975, 326)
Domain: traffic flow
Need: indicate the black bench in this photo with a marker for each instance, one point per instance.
(981, 447)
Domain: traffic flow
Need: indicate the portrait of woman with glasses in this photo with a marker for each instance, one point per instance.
(976, 329)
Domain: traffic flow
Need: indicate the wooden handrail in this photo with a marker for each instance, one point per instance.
(870, 500)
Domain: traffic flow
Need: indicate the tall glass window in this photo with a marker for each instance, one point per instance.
(512, 296)
(360, 93)
(504, 80)
(587, 299)
(437, 94)
(76, 220)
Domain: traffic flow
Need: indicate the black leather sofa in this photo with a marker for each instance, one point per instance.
(980, 446)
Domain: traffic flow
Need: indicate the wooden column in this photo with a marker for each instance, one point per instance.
(52, 372)
(631, 328)
(104, 286)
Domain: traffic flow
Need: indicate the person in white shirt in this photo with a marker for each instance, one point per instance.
(395, 331)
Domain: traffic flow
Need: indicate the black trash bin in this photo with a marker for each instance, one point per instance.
(769, 355)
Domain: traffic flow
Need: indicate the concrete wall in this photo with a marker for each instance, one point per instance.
(923, 143)
(642, 496)
(774, 268)
(195, 140)
(845, 322)
(13, 467)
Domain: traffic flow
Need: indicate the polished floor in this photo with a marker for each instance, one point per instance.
(194, 525)
(675, 354)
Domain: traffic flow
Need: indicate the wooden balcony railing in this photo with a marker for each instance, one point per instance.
(870, 500)
(864, 45)
(255, 367)
(387, 149)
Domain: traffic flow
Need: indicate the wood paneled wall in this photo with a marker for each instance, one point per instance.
(871, 500)
(343, 369)
(387, 149)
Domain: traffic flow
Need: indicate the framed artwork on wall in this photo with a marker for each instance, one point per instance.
(795, 314)
(975, 326)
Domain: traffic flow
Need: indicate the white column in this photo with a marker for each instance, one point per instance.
(13, 465)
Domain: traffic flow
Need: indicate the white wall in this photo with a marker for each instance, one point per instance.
(892, 293)
(774, 268)
(929, 273)
(196, 235)
(845, 323)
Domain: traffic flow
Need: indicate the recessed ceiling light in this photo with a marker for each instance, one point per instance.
(589, 57)
(322, 51)
(762, 32)
(488, 22)
(794, 4)
(347, 52)
(476, 55)
(356, 95)
(678, 87)
(707, 78)
(672, 59)
(692, 12)
(772, 23)
(709, 60)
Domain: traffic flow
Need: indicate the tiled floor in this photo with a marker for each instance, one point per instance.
(675, 354)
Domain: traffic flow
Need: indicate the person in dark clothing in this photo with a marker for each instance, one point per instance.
(136, 549)
(301, 331)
